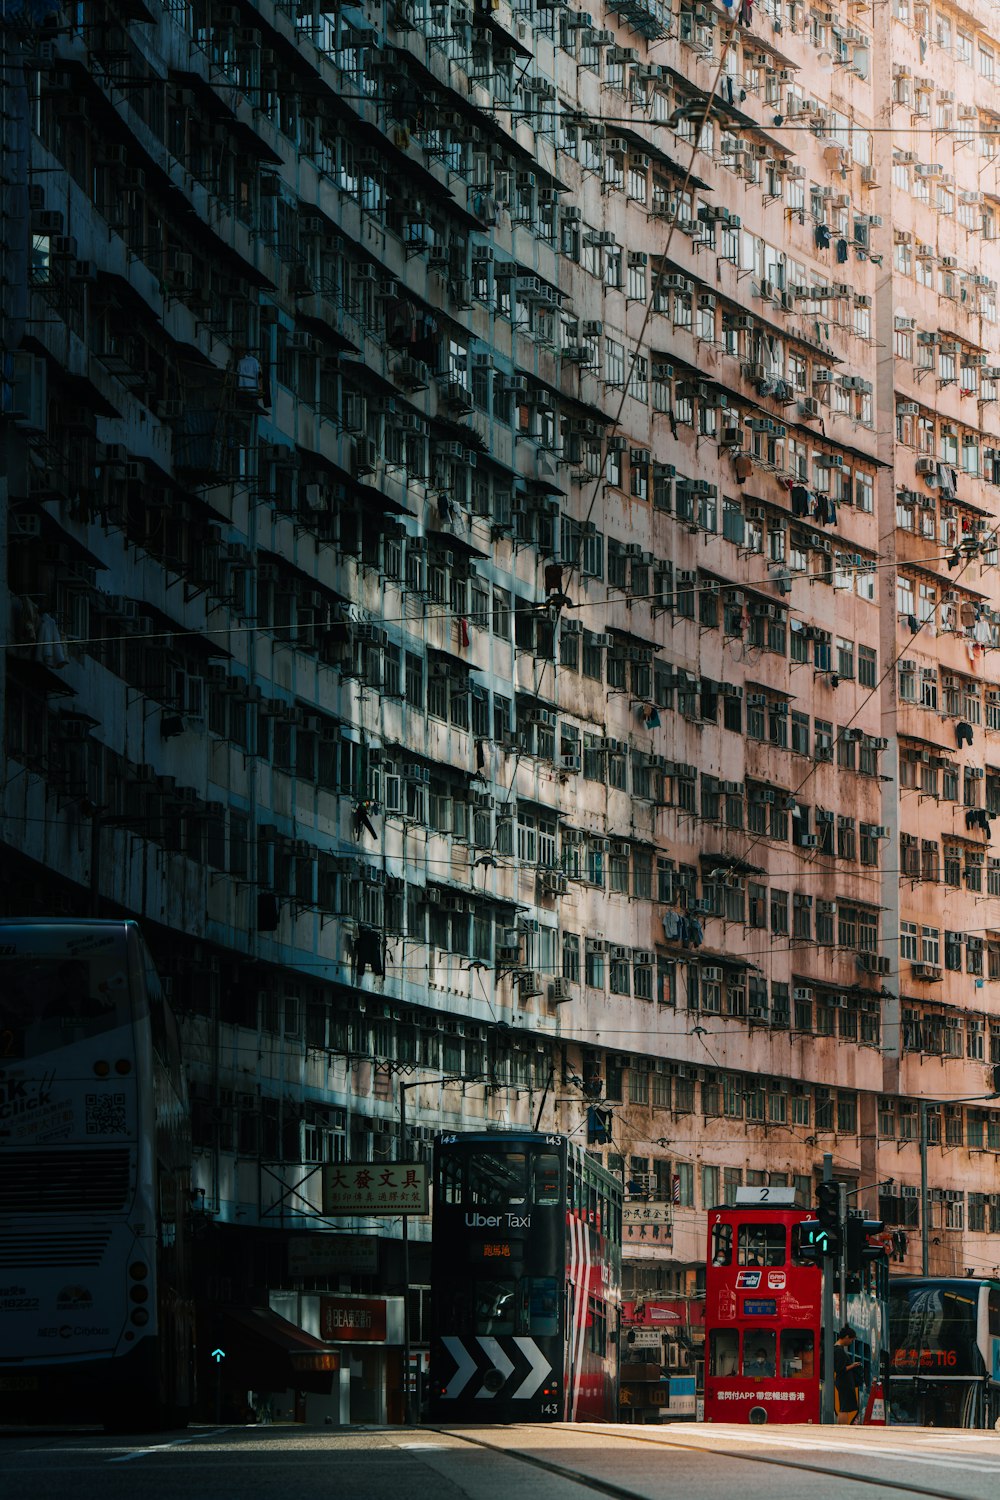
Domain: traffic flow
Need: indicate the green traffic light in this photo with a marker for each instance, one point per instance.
(816, 1242)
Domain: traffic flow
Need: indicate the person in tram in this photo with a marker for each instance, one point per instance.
(759, 1367)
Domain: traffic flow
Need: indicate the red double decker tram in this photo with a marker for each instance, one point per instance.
(763, 1310)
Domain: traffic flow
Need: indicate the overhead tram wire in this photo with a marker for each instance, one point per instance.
(654, 289)
(754, 843)
(621, 596)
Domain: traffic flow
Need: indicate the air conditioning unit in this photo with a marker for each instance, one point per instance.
(559, 991)
(365, 456)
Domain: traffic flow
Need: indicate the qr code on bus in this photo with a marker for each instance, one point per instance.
(105, 1114)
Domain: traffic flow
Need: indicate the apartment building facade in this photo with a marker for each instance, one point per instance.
(500, 561)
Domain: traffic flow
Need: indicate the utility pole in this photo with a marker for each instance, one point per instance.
(827, 1411)
(842, 1260)
(407, 1405)
(925, 1249)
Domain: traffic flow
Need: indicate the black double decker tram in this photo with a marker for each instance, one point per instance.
(526, 1281)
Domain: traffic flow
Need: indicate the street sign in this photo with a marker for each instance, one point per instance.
(683, 1396)
(320, 1255)
(644, 1338)
(651, 1222)
(363, 1187)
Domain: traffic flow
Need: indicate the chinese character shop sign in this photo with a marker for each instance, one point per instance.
(650, 1222)
(352, 1319)
(359, 1187)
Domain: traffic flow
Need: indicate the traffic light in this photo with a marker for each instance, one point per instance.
(814, 1242)
(828, 1201)
(857, 1250)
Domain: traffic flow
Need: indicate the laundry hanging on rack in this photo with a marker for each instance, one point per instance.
(49, 649)
(361, 822)
(368, 952)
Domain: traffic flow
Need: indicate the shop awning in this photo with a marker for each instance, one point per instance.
(272, 1354)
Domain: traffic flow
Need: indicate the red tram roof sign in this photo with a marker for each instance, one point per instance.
(765, 1197)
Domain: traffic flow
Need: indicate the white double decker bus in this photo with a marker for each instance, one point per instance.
(94, 1181)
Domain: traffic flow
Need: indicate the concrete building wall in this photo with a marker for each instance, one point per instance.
(530, 615)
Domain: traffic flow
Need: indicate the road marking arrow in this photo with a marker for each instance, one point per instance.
(500, 1362)
(540, 1367)
(466, 1367)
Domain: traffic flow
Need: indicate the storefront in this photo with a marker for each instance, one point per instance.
(257, 1366)
(366, 1334)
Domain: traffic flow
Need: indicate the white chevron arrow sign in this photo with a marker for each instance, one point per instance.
(540, 1367)
(466, 1367)
(500, 1362)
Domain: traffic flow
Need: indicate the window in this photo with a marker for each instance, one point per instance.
(779, 912)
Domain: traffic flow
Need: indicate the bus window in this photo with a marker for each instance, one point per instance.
(724, 1349)
(993, 1311)
(55, 1001)
(597, 1326)
(722, 1244)
(494, 1307)
(761, 1245)
(797, 1354)
(758, 1353)
(545, 1186)
(450, 1176)
(541, 1305)
(497, 1178)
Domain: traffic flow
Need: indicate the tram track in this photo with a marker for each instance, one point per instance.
(616, 1491)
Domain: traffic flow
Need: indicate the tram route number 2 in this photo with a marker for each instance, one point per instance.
(778, 1196)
